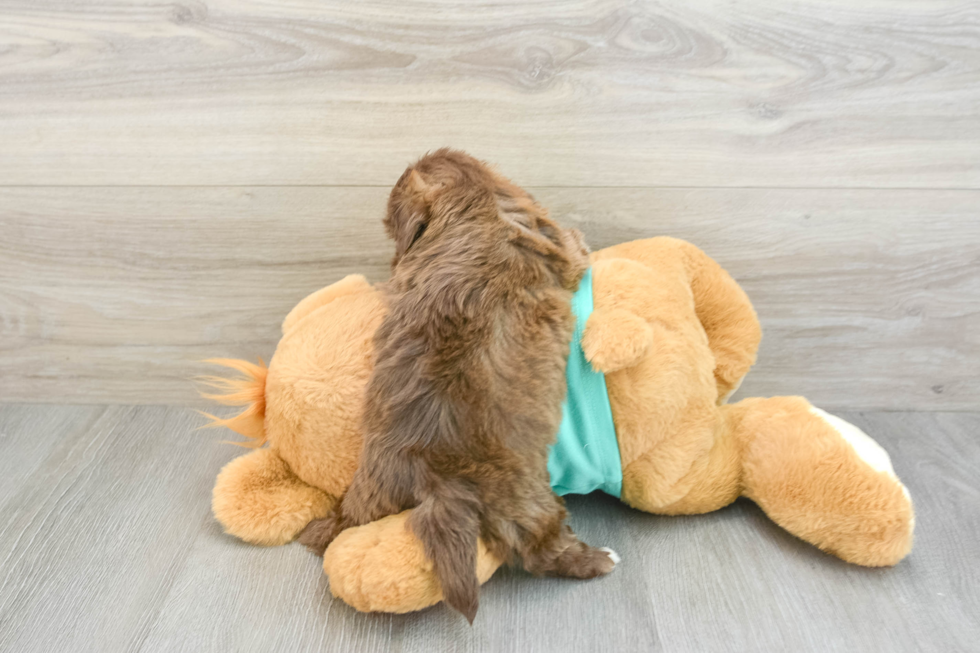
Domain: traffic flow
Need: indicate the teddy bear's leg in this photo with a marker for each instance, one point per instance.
(823, 480)
(696, 471)
(382, 567)
(722, 307)
(727, 316)
(258, 499)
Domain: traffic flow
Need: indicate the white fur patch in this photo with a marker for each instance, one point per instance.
(867, 449)
(612, 554)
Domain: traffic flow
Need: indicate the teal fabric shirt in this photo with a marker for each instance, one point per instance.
(586, 456)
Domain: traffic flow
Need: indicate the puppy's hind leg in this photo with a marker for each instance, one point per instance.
(365, 501)
(319, 533)
(561, 553)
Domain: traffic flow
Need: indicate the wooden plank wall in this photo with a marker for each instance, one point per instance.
(174, 177)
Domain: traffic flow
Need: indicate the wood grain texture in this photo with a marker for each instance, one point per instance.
(93, 537)
(582, 93)
(27, 436)
(119, 293)
(868, 298)
(108, 545)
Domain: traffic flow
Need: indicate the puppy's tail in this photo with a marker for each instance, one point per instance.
(448, 524)
(248, 391)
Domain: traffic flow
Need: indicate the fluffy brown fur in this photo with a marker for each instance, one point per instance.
(470, 375)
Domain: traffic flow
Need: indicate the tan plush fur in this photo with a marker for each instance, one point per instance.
(261, 501)
(405, 582)
(674, 334)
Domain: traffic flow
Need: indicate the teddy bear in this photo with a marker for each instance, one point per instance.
(665, 339)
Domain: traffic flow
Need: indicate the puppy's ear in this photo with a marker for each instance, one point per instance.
(408, 211)
(578, 257)
(566, 249)
(527, 229)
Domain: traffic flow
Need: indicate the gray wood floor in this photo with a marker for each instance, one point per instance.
(107, 544)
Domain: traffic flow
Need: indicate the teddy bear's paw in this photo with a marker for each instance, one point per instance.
(382, 567)
(825, 481)
(869, 451)
(615, 339)
(257, 498)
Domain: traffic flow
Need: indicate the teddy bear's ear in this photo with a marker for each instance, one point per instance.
(408, 211)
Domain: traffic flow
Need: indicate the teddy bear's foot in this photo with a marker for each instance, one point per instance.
(258, 499)
(382, 567)
(824, 480)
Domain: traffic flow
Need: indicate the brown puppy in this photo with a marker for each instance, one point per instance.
(470, 375)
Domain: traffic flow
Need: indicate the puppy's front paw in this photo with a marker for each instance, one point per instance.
(583, 561)
(612, 555)
(599, 562)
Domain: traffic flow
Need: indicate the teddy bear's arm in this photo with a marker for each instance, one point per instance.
(615, 339)
(352, 283)
(727, 316)
(616, 335)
